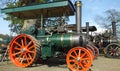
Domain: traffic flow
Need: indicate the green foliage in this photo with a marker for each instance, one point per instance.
(4, 36)
(5, 39)
(43, 1)
(15, 23)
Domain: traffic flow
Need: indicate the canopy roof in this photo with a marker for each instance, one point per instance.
(73, 27)
(52, 9)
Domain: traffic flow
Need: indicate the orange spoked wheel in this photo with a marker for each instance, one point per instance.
(90, 52)
(96, 51)
(79, 59)
(24, 50)
(91, 49)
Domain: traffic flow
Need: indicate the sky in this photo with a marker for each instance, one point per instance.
(90, 9)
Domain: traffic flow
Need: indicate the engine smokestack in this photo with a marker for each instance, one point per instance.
(78, 5)
(87, 29)
(114, 28)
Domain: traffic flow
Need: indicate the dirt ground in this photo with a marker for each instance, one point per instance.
(100, 64)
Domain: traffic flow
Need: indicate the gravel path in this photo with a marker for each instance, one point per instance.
(100, 64)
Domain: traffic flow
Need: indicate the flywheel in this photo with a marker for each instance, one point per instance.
(24, 50)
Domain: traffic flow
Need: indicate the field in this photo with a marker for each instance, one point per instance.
(100, 64)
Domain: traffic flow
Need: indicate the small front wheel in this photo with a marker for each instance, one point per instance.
(79, 59)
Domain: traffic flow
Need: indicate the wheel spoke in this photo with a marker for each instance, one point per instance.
(29, 43)
(16, 48)
(16, 53)
(20, 56)
(80, 65)
(111, 47)
(22, 42)
(86, 63)
(74, 64)
(31, 51)
(73, 56)
(83, 55)
(23, 58)
(117, 54)
(111, 53)
(75, 67)
(18, 44)
(85, 59)
(26, 58)
(25, 40)
(72, 60)
(29, 56)
(116, 48)
(75, 53)
(79, 53)
(31, 47)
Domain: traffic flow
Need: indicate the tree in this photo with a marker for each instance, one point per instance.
(15, 23)
(106, 20)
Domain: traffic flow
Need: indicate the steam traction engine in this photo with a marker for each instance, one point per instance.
(108, 41)
(49, 36)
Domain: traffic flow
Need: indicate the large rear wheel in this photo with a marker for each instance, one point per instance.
(24, 50)
(79, 59)
(113, 50)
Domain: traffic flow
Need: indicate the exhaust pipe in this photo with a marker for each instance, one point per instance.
(114, 28)
(87, 30)
(78, 5)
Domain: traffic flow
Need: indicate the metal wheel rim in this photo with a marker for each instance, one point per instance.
(92, 49)
(113, 52)
(96, 51)
(22, 50)
(90, 52)
(73, 57)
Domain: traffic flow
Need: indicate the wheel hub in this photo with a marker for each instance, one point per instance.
(78, 59)
(113, 51)
(23, 50)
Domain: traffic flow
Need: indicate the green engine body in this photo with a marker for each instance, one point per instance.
(52, 45)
